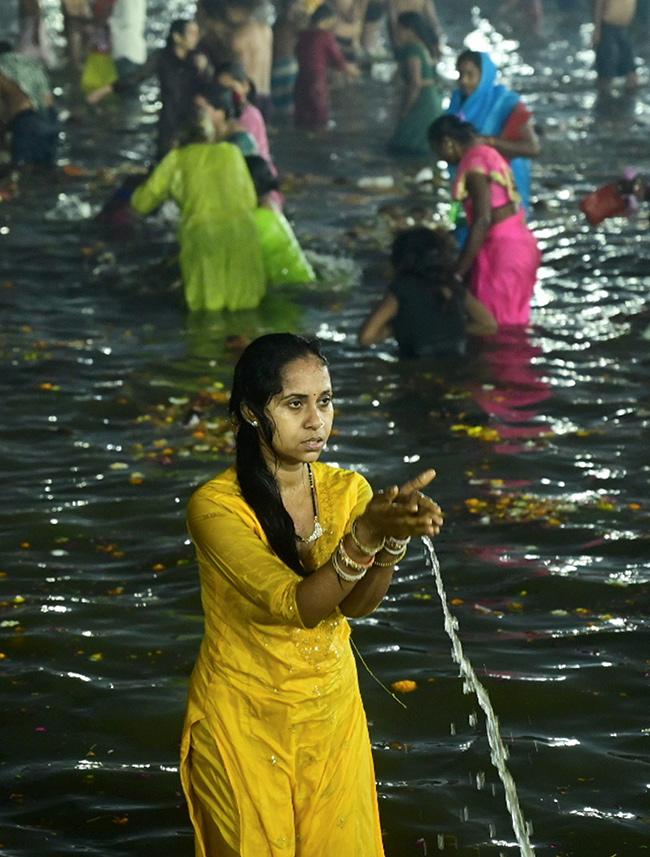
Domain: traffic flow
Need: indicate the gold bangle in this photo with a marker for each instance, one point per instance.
(362, 547)
(349, 578)
(393, 561)
(347, 559)
(396, 546)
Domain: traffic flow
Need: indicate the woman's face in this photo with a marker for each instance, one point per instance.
(302, 413)
(469, 77)
(189, 39)
(446, 150)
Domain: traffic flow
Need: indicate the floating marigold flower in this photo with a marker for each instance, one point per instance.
(404, 686)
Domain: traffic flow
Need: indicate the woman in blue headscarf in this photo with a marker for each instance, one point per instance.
(498, 114)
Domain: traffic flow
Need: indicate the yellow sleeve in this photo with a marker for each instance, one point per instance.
(157, 187)
(364, 496)
(230, 543)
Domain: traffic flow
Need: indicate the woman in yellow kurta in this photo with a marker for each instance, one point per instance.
(220, 251)
(276, 758)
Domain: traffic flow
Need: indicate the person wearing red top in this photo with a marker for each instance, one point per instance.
(316, 51)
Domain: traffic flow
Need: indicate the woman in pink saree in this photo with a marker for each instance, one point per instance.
(501, 255)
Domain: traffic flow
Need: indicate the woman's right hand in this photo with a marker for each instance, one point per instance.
(400, 512)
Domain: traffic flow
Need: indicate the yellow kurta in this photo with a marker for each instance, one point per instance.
(220, 250)
(291, 764)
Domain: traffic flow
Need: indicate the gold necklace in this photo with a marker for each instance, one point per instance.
(318, 530)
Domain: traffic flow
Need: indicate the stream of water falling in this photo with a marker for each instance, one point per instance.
(498, 751)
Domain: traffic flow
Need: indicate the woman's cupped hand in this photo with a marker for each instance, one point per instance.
(399, 512)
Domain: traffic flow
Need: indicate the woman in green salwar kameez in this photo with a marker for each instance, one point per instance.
(422, 101)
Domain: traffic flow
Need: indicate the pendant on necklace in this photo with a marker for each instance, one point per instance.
(318, 532)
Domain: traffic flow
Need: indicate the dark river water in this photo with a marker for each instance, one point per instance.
(540, 443)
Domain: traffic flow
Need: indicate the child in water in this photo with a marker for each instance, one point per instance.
(426, 308)
(317, 51)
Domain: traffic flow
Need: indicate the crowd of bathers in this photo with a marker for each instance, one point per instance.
(227, 71)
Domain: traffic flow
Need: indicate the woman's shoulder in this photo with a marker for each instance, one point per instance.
(336, 481)
(484, 156)
(221, 490)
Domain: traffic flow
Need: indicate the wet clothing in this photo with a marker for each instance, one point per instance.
(35, 138)
(220, 252)
(427, 324)
(275, 755)
(504, 272)
(245, 142)
(12, 101)
(34, 133)
(180, 80)
(30, 76)
(412, 133)
(316, 51)
(283, 81)
(127, 21)
(33, 41)
(496, 111)
(614, 52)
(253, 123)
(284, 259)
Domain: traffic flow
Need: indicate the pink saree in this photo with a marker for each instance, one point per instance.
(505, 270)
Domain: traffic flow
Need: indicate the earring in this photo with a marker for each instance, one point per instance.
(254, 423)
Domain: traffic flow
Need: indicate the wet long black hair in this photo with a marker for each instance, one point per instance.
(258, 377)
(450, 125)
(430, 255)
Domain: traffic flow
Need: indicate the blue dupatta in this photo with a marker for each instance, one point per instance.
(488, 109)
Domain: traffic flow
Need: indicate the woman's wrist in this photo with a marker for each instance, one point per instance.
(388, 557)
(367, 535)
(367, 548)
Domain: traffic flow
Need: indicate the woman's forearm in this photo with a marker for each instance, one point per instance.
(475, 239)
(480, 321)
(368, 594)
(412, 95)
(320, 593)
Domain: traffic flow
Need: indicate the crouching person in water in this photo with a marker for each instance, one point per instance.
(276, 756)
(220, 252)
(426, 308)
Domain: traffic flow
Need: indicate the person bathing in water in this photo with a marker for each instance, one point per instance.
(612, 43)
